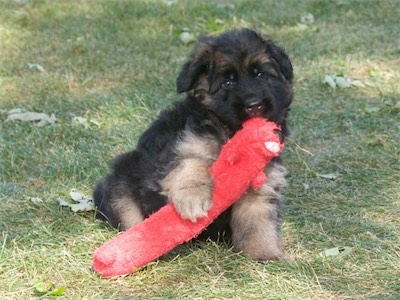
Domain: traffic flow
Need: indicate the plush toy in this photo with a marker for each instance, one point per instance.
(239, 166)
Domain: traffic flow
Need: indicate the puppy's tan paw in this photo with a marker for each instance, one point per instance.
(193, 202)
(189, 186)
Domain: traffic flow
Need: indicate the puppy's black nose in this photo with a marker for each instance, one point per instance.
(254, 108)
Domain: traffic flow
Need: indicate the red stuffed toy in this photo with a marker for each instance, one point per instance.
(240, 165)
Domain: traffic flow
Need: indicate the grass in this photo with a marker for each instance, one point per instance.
(115, 63)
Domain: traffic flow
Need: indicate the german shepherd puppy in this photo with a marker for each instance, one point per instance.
(227, 80)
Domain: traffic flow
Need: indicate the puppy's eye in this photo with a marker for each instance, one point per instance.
(228, 83)
(261, 75)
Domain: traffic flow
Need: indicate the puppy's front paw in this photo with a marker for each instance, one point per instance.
(193, 202)
(189, 186)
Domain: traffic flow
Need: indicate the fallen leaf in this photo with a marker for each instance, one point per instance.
(331, 176)
(27, 116)
(307, 19)
(336, 253)
(48, 288)
(43, 287)
(58, 291)
(76, 121)
(62, 202)
(32, 117)
(84, 203)
(341, 81)
(376, 139)
(15, 111)
(76, 196)
(36, 67)
(330, 80)
(187, 37)
(36, 200)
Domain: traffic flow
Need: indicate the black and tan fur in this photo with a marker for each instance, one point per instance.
(227, 79)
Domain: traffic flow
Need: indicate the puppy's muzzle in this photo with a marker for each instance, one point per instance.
(255, 108)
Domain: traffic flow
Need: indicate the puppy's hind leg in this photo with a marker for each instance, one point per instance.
(256, 219)
(115, 204)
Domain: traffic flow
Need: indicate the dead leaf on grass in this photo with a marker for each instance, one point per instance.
(83, 203)
(36, 67)
(330, 176)
(76, 121)
(36, 200)
(307, 19)
(49, 288)
(187, 37)
(377, 139)
(41, 118)
(341, 81)
(83, 121)
(336, 253)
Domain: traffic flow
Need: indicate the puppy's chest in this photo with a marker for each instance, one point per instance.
(194, 146)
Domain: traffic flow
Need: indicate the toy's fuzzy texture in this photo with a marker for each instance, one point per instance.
(239, 166)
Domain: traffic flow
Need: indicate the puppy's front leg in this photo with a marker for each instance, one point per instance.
(189, 187)
(190, 184)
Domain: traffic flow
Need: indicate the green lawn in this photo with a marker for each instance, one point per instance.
(113, 64)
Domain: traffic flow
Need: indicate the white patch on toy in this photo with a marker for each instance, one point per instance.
(273, 147)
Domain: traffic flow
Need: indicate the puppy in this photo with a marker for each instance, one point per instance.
(227, 80)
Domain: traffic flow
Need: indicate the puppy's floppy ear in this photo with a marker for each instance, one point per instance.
(282, 59)
(197, 65)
